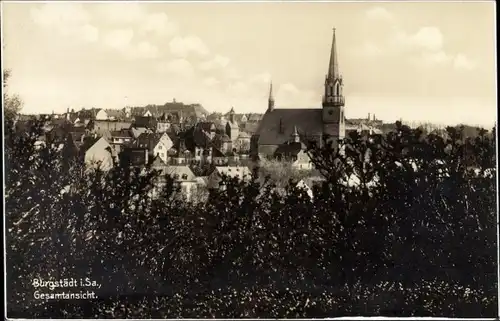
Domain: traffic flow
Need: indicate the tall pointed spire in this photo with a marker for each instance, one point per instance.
(333, 67)
(270, 101)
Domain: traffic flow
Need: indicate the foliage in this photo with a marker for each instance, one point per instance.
(404, 225)
(12, 103)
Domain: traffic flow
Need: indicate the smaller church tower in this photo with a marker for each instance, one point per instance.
(333, 98)
(295, 135)
(270, 102)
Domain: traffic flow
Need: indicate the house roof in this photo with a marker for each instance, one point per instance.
(290, 149)
(149, 140)
(179, 173)
(244, 135)
(116, 113)
(196, 137)
(233, 171)
(206, 126)
(124, 133)
(277, 125)
(136, 132)
(157, 162)
(217, 153)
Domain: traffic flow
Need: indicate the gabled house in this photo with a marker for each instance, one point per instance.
(136, 132)
(182, 176)
(157, 144)
(97, 152)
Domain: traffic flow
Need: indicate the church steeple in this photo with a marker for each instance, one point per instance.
(333, 82)
(333, 99)
(270, 102)
(333, 67)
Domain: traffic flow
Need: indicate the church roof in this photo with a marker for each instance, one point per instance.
(276, 127)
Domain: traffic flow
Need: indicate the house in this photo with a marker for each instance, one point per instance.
(182, 155)
(146, 122)
(157, 144)
(136, 132)
(119, 138)
(243, 142)
(162, 124)
(182, 176)
(131, 155)
(215, 178)
(100, 127)
(218, 157)
(310, 183)
(115, 114)
(314, 124)
(294, 151)
(199, 143)
(98, 153)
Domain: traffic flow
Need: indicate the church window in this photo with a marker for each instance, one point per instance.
(338, 89)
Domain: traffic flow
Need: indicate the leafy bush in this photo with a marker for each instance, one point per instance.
(404, 225)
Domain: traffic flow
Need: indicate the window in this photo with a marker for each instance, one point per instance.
(160, 147)
(199, 152)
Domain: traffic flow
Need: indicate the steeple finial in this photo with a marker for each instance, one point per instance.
(333, 68)
(271, 97)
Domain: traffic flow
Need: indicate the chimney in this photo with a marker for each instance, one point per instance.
(67, 110)
(368, 116)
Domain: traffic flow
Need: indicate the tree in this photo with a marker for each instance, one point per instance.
(404, 225)
(12, 103)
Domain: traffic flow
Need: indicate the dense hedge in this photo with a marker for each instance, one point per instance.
(416, 236)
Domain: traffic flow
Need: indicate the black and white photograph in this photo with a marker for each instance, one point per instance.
(249, 159)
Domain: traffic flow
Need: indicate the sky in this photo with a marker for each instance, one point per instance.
(427, 61)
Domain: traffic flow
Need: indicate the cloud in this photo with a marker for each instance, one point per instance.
(66, 19)
(290, 96)
(438, 57)
(211, 81)
(145, 50)
(238, 88)
(60, 15)
(217, 62)
(119, 38)
(160, 24)
(263, 78)
(184, 46)
(379, 13)
(88, 33)
(125, 13)
(178, 67)
(429, 38)
(370, 49)
(233, 74)
(463, 62)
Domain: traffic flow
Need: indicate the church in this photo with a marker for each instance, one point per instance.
(283, 127)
